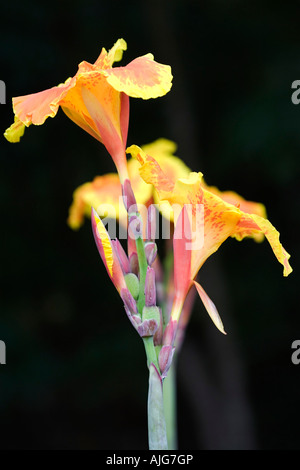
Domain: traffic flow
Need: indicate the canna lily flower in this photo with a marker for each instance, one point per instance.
(221, 219)
(106, 190)
(97, 99)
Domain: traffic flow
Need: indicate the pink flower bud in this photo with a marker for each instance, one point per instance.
(150, 291)
(147, 327)
(128, 197)
(151, 252)
(151, 223)
(129, 301)
(134, 264)
(165, 359)
(135, 227)
(122, 257)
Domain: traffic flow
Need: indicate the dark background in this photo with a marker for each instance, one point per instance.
(76, 375)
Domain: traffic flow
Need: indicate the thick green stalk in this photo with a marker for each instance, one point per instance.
(169, 393)
(157, 434)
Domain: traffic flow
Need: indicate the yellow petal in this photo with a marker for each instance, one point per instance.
(104, 191)
(142, 191)
(103, 243)
(115, 54)
(141, 78)
(254, 223)
(14, 133)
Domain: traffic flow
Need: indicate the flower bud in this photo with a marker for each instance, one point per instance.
(133, 284)
(135, 227)
(121, 254)
(150, 291)
(129, 301)
(165, 359)
(147, 328)
(150, 252)
(128, 197)
(151, 313)
(151, 223)
(134, 263)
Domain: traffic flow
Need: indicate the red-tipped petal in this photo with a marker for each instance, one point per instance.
(182, 261)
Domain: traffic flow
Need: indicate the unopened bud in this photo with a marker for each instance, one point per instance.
(133, 284)
(121, 254)
(128, 197)
(165, 359)
(147, 328)
(135, 227)
(134, 264)
(151, 313)
(129, 301)
(151, 223)
(150, 290)
(150, 252)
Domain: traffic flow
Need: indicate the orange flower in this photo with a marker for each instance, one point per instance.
(106, 190)
(212, 218)
(97, 99)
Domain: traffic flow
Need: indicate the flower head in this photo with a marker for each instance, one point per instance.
(106, 190)
(212, 218)
(97, 99)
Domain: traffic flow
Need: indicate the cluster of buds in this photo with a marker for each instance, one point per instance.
(137, 275)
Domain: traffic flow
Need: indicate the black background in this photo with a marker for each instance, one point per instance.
(76, 376)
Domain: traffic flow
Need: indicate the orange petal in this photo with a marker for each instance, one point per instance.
(220, 220)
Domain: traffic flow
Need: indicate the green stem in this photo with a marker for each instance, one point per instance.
(169, 396)
(143, 271)
(157, 434)
(150, 351)
(156, 420)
